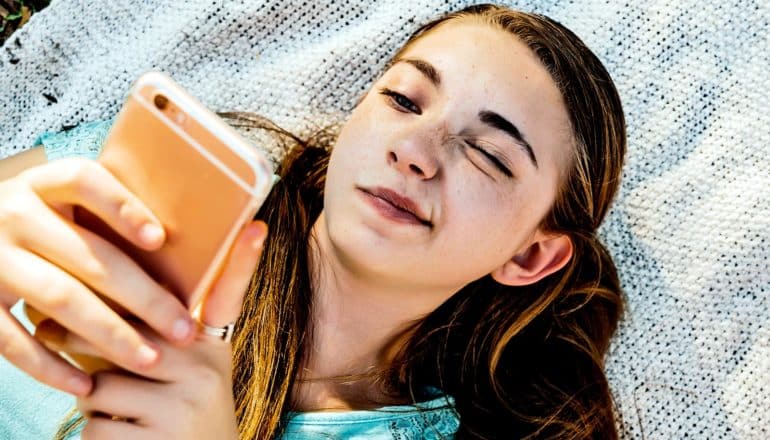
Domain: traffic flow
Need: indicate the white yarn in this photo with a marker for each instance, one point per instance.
(689, 231)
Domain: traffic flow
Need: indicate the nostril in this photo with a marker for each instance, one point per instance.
(393, 159)
(416, 169)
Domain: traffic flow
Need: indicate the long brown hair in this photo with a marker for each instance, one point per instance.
(520, 362)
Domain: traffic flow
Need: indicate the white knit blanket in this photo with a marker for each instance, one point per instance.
(689, 230)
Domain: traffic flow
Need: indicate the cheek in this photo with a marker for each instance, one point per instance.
(344, 156)
(358, 140)
(481, 223)
(353, 162)
(490, 226)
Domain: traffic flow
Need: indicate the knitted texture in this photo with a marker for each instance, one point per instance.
(689, 230)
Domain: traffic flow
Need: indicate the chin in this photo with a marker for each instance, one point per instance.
(367, 251)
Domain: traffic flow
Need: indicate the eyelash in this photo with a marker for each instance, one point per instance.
(403, 103)
(491, 158)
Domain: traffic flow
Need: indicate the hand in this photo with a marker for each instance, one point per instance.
(53, 264)
(188, 393)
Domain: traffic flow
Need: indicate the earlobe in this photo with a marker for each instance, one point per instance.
(542, 258)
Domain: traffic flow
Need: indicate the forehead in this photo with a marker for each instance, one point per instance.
(489, 68)
(482, 48)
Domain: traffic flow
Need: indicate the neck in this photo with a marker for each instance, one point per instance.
(357, 325)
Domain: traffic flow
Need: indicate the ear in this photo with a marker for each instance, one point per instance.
(546, 255)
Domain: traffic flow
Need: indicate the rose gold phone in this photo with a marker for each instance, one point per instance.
(194, 172)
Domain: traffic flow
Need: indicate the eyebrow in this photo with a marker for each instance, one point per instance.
(488, 117)
(425, 68)
(494, 120)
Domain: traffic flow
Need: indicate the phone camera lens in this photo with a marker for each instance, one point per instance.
(160, 102)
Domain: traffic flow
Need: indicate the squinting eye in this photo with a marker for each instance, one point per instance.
(401, 101)
(490, 157)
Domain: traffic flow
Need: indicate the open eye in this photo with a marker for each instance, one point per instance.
(400, 102)
(491, 158)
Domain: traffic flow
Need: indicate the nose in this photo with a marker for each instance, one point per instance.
(416, 154)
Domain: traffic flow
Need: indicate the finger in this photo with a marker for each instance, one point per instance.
(222, 304)
(122, 395)
(101, 428)
(58, 338)
(72, 304)
(86, 183)
(36, 316)
(87, 357)
(107, 269)
(21, 349)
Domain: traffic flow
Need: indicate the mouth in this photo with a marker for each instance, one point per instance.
(397, 206)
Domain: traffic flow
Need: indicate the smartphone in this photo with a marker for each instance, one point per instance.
(201, 179)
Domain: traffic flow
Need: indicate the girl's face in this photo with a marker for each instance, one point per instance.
(468, 126)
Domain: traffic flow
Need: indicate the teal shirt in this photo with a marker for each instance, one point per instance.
(31, 410)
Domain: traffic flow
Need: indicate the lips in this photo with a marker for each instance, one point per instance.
(400, 202)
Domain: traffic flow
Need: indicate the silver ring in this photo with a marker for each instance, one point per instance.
(224, 333)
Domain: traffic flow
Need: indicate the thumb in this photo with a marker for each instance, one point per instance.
(222, 304)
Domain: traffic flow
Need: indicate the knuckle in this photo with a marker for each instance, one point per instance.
(15, 209)
(94, 272)
(208, 379)
(88, 179)
(118, 338)
(127, 209)
(158, 305)
(147, 302)
(57, 299)
(79, 173)
(124, 342)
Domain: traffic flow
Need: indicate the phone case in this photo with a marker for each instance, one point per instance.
(193, 171)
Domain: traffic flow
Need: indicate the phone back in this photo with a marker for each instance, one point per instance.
(183, 165)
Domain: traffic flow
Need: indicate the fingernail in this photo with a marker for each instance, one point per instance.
(150, 233)
(79, 385)
(146, 355)
(181, 329)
